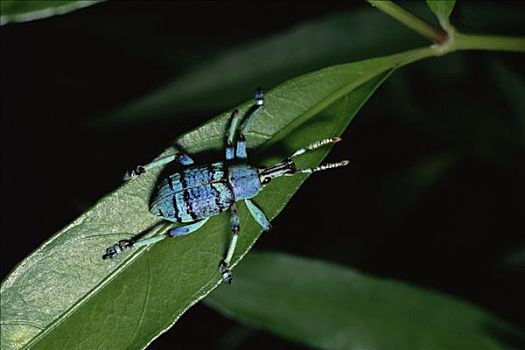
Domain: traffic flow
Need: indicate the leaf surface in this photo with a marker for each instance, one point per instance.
(64, 294)
(30, 10)
(326, 306)
(442, 9)
(512, 86)
(343, 36)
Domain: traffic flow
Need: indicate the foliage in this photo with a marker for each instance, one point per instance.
(331, 307)
(29, 10)
(63, 294)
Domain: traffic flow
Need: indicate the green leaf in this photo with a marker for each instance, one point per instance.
(442, 9)
(512, 86)
(326, 306)
(515, 259)
(30, 10)
(406, 186)
(345, 36)
(64, 294)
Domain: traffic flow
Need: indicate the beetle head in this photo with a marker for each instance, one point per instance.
(285, 168)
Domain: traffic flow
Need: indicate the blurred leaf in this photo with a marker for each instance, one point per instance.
(219, 81)
(442, 9)
(30, 10)
(513, 88)
(404, 188)
(326, 306)
(515, 259)
(502, 17)
(64, 294)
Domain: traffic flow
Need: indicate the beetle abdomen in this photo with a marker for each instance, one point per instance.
(195, 193)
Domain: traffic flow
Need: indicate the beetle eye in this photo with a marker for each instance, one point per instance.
(267, 180)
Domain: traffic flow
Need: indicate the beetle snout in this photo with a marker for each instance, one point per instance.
(285, 168)
(290, 167)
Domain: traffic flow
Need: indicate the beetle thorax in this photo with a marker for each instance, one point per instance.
(244, 181)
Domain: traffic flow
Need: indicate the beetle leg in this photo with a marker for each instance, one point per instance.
(184, 230)
(255, 110)
(240, 150)
(184, 159)
(122, 245)
(180, 157)
(116, 249)
(258, 215)
(173, 232)
(225, 264)
(230, 151)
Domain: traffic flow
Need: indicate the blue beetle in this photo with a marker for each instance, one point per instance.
(198, 192)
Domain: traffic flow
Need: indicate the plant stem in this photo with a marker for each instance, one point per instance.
(450, 40)
(436, 35)
(488, 42)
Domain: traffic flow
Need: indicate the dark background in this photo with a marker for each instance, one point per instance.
(434, 195)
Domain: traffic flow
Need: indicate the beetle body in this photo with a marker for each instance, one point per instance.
(200, 191)
(197, 192)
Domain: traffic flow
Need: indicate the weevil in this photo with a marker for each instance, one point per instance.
(197, 192)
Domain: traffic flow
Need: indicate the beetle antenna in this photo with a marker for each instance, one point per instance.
(323, 167)
(316, 145)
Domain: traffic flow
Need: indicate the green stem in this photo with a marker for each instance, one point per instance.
(436, 35)
(450, 40)
(488, 42)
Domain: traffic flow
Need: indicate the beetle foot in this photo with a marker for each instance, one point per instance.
(227, 275)
(116, 249)
(131, 174)
(259, 96)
